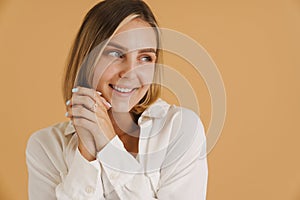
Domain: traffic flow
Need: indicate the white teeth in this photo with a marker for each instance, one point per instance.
(124, 90)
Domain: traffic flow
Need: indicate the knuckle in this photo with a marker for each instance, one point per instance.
(74, 99)
(78, 122)
(80, 111)
(77, 111)
(82, 98)
(102, 106)
(91, 103)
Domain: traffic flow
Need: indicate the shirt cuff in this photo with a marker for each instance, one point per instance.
(83, 177)
(119, 165)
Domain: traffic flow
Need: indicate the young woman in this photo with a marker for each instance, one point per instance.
(122, 140)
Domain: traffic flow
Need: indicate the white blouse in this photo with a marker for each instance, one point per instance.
(171, 161)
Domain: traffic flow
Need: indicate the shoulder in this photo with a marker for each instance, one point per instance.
(47, 149)
(162, 109)
(181, 117)
(176, 121)
(186, 115)
(49, 140)
(186, 123)
(52, 133)
(185, 132)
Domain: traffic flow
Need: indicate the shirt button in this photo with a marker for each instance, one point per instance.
(89, 189)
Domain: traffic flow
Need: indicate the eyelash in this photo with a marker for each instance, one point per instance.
(121, 55)
(149, 58)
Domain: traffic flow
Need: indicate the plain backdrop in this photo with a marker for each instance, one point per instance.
(255, 45)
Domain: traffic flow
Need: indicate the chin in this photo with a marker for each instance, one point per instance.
(121, 106)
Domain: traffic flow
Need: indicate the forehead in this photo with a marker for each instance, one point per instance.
(136, 34)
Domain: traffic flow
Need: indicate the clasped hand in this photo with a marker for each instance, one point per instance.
(88, 111)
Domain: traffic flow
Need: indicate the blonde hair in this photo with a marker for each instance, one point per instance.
(99, 25)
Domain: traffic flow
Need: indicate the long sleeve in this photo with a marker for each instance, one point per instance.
(51, 177)
(82, 181)
(123, 174)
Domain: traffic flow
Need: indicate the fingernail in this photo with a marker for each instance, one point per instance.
(99, 93)
(75, 90)
(108, 104)
(66, 114)
(68, 102)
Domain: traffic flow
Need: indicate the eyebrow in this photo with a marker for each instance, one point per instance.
(152, 50)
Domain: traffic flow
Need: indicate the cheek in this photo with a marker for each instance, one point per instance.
(139, 95)
(146, 74)
(103, 74)
(142, 92)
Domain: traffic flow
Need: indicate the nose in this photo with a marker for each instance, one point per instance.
(128, 66)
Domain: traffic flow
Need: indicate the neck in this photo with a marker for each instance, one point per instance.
(124, 123)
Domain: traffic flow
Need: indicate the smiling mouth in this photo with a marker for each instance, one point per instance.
(122, 89)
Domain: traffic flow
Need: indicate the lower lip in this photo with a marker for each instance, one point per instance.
(123, 94)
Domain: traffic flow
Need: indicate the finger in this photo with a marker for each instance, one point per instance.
(86, 101)
(85, 92)
(91, 93)
(99, 138)
(68, 107)
(84, 130)
(92, 127)
(105, 103)
(79, 111)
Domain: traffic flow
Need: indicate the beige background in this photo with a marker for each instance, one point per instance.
(255, 44)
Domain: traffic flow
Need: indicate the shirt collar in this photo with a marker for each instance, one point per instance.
(69, 129)
(157, 110)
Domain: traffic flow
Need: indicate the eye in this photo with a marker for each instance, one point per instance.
(147, 58)
(115, 53)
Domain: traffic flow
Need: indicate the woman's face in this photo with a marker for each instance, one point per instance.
(126, 67)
